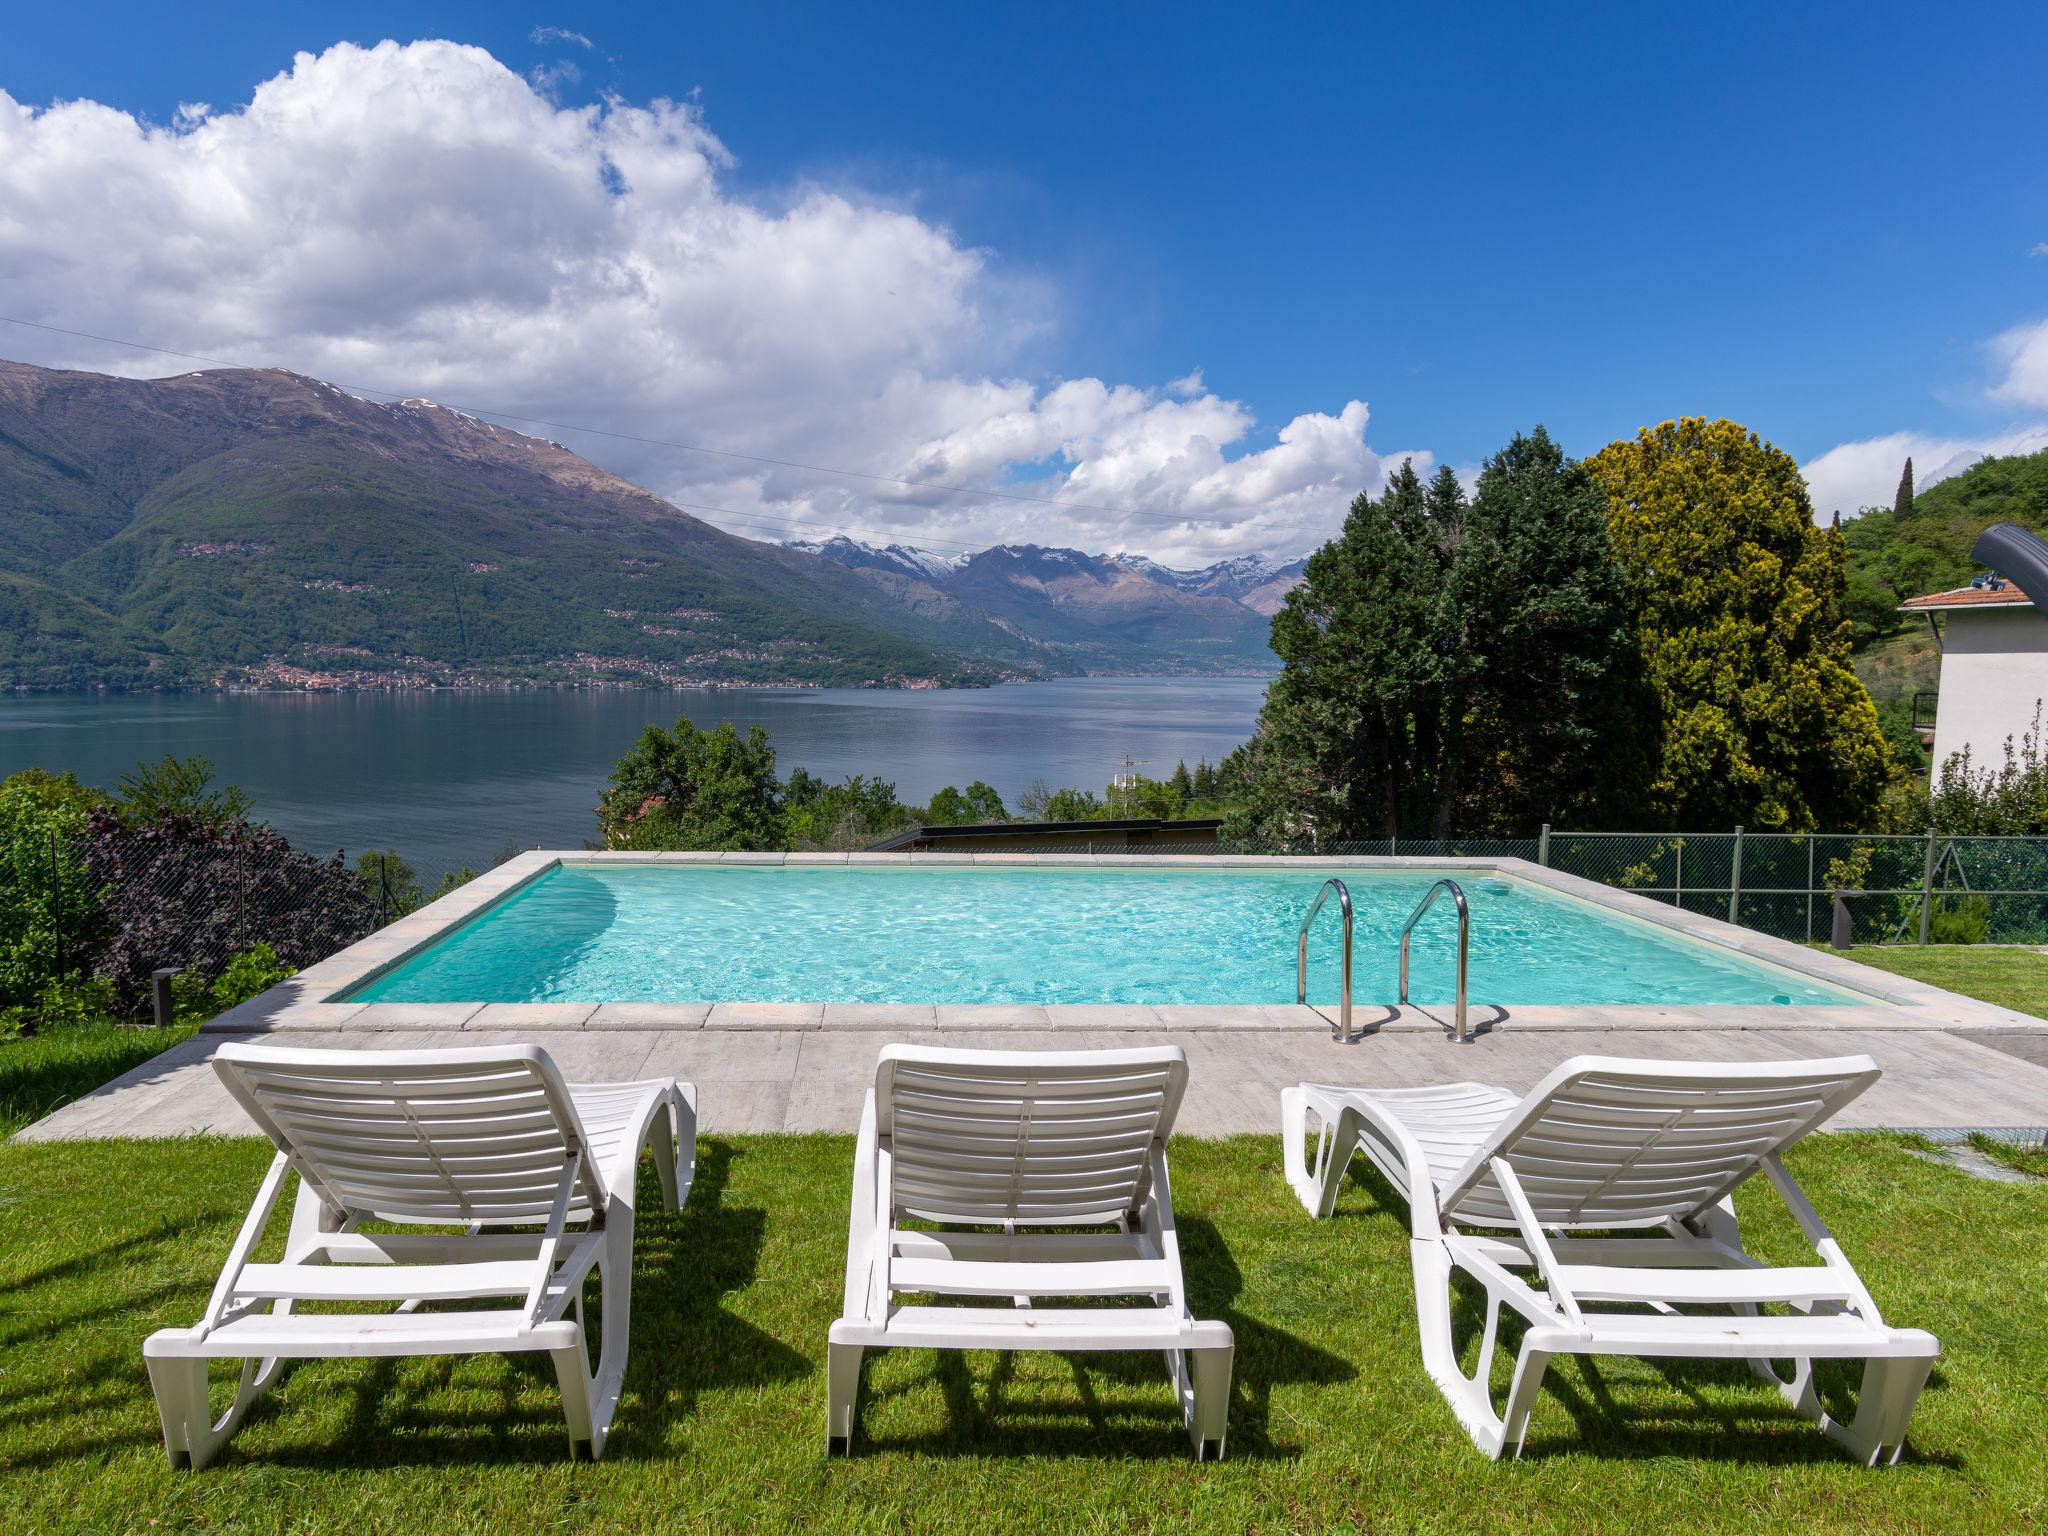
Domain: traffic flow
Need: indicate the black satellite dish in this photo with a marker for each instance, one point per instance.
(2013, 552)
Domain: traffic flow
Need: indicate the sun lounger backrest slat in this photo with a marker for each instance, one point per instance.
(1611, 1142)
(468, 1135)
(1046, 1138)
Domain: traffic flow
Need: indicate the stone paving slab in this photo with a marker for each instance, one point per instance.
(810, 1076)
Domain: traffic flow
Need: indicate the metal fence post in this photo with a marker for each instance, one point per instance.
(56, 911)
(1927, 889)
(1678, 877)
(1543, 846)
(1735, 880)
(1809, 888)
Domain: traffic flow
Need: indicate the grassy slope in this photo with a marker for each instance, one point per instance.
(1900, 666)
(2011, 978)
(1333, 1423)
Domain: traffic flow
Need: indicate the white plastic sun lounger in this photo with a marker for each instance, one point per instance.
(1606, 1143)
(1024, 1147)
(485, 1138)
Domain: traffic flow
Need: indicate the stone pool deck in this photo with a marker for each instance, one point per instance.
(801, 1068)
(1949, 1061)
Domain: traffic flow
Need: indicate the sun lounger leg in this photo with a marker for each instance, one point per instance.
(1470, 1397)
(184, 1407)
(1529, 1369)
(180, 1388)
(842, 1394)
(1202, 1377)
(1316, 1188)
(572, 1371)
(661, 1138)
(615, 1313)
(673, 1139)
(1891, 1387)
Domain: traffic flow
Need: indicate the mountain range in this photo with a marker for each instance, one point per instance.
(254, 527)
(1119, 611)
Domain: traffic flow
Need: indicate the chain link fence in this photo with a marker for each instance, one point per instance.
(118, 906)
(1898, 888)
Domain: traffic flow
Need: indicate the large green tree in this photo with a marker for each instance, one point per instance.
(687, 788)
(1562, 695)
(1736, 597)
(1449, 666)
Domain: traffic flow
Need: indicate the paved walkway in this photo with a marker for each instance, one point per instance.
(759, 1069)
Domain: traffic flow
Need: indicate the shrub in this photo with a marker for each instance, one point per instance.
(58, 1004)
(45, 893)
(2010, 800)
(183, 890)
(1964, 922)
(843, 816)
(974, 806)
(686, 788)
(256, 969)
(390, 882)
(180, 787)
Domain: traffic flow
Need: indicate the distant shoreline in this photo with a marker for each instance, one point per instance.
(591, 685)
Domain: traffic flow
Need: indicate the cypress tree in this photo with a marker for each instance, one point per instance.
(1902, 501)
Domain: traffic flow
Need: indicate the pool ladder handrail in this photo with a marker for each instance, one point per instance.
(1464, 946)
(1341, 1030)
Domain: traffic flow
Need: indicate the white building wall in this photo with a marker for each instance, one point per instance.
(1994, 676)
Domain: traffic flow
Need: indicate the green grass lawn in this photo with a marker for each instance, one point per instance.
(1333, 1424)
(2011, 978)
(46, 1071)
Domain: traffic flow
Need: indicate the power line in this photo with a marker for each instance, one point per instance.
(660, 442)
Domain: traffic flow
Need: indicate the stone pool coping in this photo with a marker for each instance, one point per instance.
(303, 1003)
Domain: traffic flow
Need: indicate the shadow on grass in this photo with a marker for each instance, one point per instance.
(435, 1410)
(684, 1343)
(1120, 1403)
(1744, 1421)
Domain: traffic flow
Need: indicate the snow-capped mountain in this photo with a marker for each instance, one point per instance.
(1131, 612)
(924, 564)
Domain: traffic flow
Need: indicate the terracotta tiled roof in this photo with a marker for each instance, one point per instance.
(1971, 597)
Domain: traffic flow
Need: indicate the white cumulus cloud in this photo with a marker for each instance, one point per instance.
(1852, 476)
(2023, 353)
(423, 219)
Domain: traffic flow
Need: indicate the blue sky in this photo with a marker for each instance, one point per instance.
(1593, 217)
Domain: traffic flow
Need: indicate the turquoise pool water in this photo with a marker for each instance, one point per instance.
(588, 933)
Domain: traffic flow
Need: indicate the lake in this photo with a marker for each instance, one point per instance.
(453, 778)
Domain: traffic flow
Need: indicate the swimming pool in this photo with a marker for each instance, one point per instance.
(996, 934)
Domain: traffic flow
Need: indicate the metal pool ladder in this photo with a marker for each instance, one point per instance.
(1341, 1030)
(1464, 946)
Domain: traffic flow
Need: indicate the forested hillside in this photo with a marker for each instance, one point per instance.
(1894, 555)
(255, 526)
